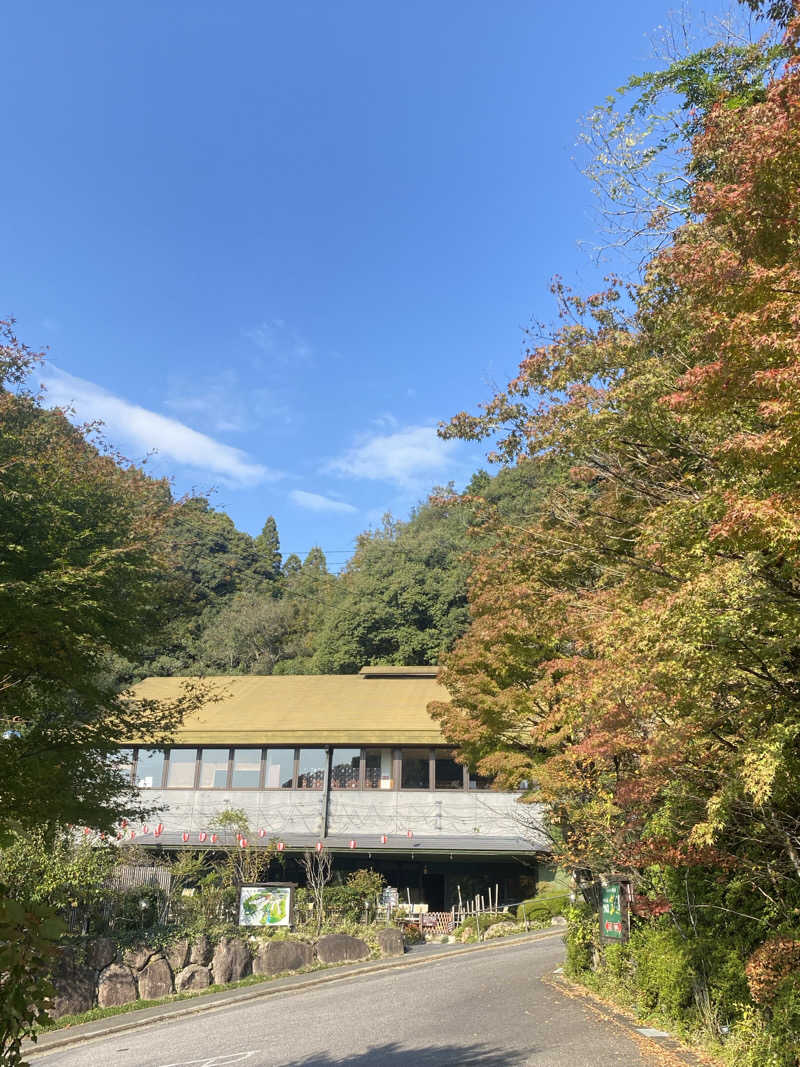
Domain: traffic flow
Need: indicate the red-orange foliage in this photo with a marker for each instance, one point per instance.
(636, 652)
(771, 963)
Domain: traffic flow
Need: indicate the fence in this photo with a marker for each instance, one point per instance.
(123, 880)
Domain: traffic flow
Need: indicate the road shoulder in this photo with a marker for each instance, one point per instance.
(671, 1051)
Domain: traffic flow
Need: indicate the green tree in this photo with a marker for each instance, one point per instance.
(251, 635)
(269, 547)
(81, 577)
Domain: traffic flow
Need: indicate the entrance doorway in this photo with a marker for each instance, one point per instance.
(433, 891)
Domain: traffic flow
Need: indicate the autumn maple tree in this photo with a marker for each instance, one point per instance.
(634, 653)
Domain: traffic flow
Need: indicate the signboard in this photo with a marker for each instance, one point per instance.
(614, 912)
(266, 904)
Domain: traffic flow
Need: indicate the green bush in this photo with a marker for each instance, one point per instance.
(664, 972)
(580, 939)
(28, 936)
(487, 919)
(541, 908)
(756, 1041)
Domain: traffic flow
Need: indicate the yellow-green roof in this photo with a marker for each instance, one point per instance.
(308, 709)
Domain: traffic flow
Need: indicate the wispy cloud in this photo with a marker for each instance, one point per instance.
(408, 457)
(224, 403)
(148, 431)
(317, 502)
(280, 342)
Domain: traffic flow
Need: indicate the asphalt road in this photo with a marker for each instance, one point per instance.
(485, 1009)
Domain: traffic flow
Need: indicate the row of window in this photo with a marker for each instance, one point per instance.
(295, 768)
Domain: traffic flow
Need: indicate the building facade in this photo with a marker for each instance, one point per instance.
(354, 762)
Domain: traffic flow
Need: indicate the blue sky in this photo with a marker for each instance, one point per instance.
(271, 245)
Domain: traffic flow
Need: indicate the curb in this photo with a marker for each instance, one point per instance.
(670, 1051)
(137, 1019)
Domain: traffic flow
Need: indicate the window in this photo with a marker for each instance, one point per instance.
(479, 781)
(123, 762)
(213, 768)
(449, 774)
(280, 768)
(345, 769)
(378, 768)
(416, 769)
(311, 768)
(180, 769)
(149, 768)
(246, 768)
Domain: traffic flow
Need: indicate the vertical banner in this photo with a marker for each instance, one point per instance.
(614, 924)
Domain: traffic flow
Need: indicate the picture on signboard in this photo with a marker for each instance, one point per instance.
(266, 904)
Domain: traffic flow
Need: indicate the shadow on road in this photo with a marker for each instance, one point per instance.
(393, 1055)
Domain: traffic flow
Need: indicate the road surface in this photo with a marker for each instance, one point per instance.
(483, 1009)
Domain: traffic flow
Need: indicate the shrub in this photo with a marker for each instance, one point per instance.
(772, 962)
(543, 907)
(664, 974)
(580, 939)
(487, 919)
(756, 1041)
(28, 936)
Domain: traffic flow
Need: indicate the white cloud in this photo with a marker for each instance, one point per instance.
(409, 457)
(316, 502)
(224, 403)
(148, 431)
(280, 342)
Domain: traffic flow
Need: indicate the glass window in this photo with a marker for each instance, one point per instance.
(246, 768)
(449, 774)
(123, 762)
(345, 768)
(416, 769)
(378, 768)
(213, 768)
(479, 781)
(180, 771)
(311, 768)
(149, 768)
(280, 768)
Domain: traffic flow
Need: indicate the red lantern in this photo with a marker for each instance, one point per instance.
(262, 833)
(145, 829)
(280, 846)
(353, 844)
(242, 842)
(203, 835)
(158, 830)
(133, 834)
(213, 839)
(384, 839)
(185, 836)
(320, 846)
(86, 831)
(119, 835)
(409, 833)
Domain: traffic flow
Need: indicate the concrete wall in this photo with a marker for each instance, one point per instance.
(350, 811)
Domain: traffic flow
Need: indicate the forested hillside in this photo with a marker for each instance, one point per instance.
(238, 607)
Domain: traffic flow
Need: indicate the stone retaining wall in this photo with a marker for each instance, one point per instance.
(105, 976)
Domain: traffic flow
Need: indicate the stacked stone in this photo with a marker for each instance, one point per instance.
(110, 979)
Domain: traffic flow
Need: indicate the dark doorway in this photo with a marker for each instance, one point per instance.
(433, 891)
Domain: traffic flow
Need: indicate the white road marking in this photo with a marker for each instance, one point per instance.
(215, 1061)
